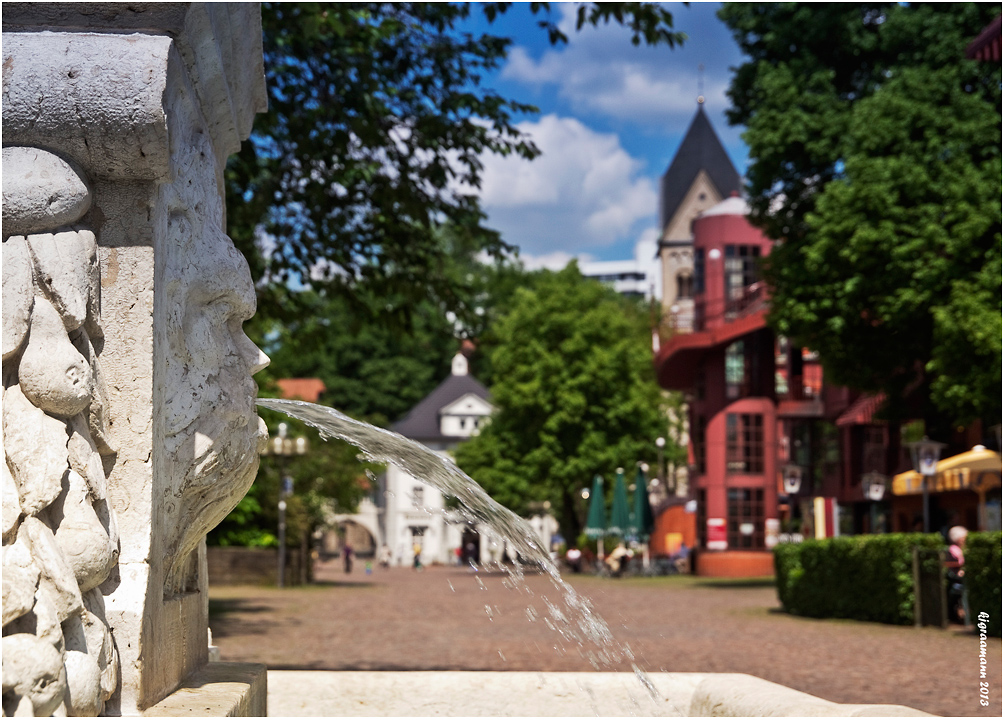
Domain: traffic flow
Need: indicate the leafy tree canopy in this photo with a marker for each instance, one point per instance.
(328, 476)
(575, 396)
(377, 118)
(372, 370)
(876, 158)
(355, 203)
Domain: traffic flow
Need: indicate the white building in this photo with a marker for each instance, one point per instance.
(405, 512)
(413, 513)
(632, 278)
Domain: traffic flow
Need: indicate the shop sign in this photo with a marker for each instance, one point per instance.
(771, 532)
(716, 528)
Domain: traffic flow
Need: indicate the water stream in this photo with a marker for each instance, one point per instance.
(573, 618)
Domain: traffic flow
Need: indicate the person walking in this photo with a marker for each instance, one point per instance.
(958, 597)
(347, 557)
(417, 557)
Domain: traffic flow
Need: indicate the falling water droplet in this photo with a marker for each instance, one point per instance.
(488, 611)
(501, 655)
(481, 584)
(451, 585)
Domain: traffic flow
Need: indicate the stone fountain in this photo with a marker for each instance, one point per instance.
(129, 427)
(128, 405)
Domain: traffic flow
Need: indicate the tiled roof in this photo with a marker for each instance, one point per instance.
(699, 150)
(423, 421)
(308, 389)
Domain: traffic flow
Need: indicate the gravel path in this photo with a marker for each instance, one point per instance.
(452, 619)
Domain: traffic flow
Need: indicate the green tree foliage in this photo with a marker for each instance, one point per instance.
(369, 370)
(328, 475)
(575, 394)
(355, 203)
(375, 371)
(876, 157)
(376, 121)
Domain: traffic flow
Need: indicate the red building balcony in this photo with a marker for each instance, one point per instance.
(714, 322)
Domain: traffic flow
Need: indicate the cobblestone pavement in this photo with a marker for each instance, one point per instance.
(448, 618)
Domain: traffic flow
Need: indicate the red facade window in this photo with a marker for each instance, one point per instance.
(736, 371)
(745, 518)
(744, 443)
(740, 267)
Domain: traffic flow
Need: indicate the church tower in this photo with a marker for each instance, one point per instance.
(701, 175)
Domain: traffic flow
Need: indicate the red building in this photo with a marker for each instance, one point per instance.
(759, 410)
(726, 365)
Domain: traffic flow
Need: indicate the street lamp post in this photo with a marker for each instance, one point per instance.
(792, 479)
(660, 443)
(284, 447)
(925, 456)
(873, 488)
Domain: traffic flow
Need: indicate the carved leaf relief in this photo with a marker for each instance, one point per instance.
(18, 295)
(60, 539)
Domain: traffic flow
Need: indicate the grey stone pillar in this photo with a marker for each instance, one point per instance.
(117, 123)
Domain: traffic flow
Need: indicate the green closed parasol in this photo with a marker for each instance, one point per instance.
(642, 523)
(619, 510)
(596, 518)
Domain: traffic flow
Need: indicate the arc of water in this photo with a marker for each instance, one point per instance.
(384, 446)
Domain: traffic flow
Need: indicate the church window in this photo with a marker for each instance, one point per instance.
(698, 286)
(685, 285)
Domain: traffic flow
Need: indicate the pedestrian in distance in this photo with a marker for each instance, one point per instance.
(574, 558)
(959, 602)
(347, 557)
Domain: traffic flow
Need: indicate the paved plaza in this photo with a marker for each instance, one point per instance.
(447, 618)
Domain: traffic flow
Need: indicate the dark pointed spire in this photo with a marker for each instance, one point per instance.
(699, 150)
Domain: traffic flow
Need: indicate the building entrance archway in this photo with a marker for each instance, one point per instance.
(471, 546)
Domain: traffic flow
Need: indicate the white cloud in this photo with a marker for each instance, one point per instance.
(600, 71)
(584, 191)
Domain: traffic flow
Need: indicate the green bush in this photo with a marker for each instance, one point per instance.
(865, 577)
(983, 578)
(787, 571)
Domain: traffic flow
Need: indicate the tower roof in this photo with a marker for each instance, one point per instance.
(699, 150)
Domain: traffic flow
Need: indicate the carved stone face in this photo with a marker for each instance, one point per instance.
(214, 435)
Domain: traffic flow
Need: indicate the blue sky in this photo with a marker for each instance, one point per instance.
(612, 116)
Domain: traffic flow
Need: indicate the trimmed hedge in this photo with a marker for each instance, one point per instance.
(983, 578)
(864, 577)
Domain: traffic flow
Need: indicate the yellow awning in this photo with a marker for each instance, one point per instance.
(976, 469)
